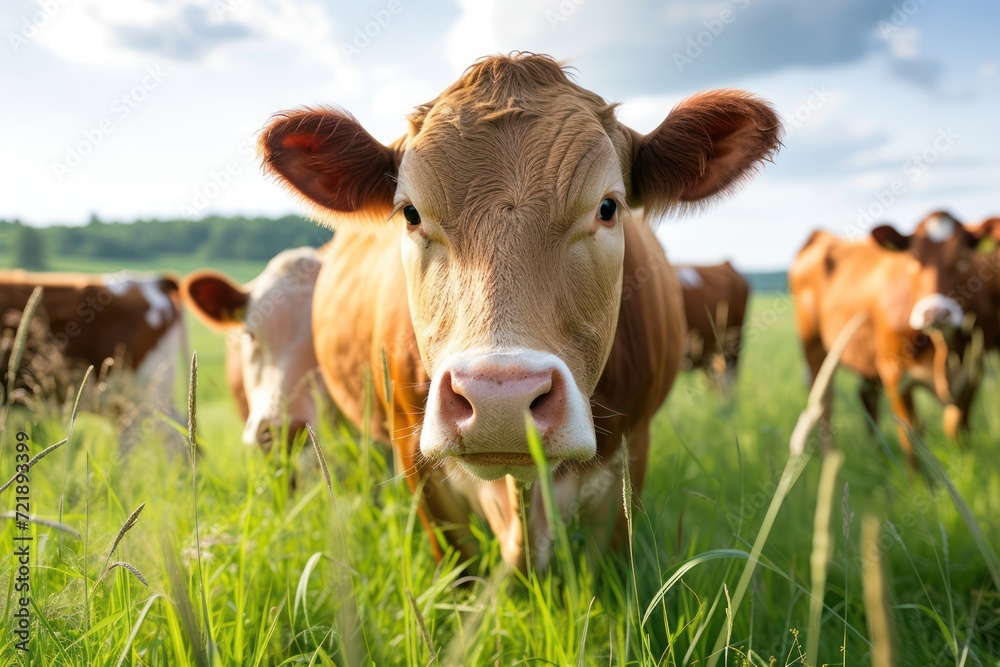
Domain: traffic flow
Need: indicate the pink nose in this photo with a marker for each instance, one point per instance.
(483, 402)
(493, 393)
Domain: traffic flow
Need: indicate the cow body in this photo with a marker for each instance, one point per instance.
(501, 297)
(137, 318)
(270, 359)
(715, 305)
(910, 291)
(373, 318)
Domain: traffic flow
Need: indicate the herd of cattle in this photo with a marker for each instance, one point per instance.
(523, 280)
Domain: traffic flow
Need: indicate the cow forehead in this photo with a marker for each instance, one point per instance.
(510, 168)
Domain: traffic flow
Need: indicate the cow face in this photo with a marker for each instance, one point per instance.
(941, 267)
(510, 191)
(272, 318)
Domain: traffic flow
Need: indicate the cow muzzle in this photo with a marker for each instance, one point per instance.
(262, 432)
(478, 407)
(936, 311)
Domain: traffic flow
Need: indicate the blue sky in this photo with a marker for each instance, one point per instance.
(150, 108)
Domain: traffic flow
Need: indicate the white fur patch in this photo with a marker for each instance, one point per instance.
(689, 276)
(160, 305)
(158, 369)
(938, 303)
(118, 283)
(940, 228)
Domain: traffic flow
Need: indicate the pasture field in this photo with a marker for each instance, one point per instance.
(241, 270)
(242, 572)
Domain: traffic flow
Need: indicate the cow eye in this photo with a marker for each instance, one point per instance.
(411, 215)
(607, 210)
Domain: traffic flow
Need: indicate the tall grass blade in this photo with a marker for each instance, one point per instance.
(35, 459)
(875, 593)
(127, 526)
(135, 628)
(179, 594)
(21, 339)
(822, 549)
(795, 465)
(349, 615)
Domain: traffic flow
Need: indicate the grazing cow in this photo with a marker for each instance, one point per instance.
(501, 293)
(92, 318)
(715, 304)
(270, 361)
(913, 291)
(985, 287)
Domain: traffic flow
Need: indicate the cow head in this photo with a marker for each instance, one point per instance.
(272, 317)
(942, 265)
(510, 191)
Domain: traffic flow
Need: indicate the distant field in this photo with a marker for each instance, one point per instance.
(302, 579)
(179, 264)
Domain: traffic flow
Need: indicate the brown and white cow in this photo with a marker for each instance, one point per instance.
(499, 294)
(913, 290)
(92, 318)
(270, 360)
(715, 305)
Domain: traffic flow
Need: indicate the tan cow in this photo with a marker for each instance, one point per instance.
(715, 305)
(92, 318)
(911, 288)
(270, 361)
(498, 292)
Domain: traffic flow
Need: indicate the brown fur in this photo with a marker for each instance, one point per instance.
(715, 310)
(507, 169)
(106, 323)
(833, 279)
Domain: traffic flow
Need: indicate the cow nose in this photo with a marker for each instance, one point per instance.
(265, 435)
(936, 311)
(936, 318)
(492, 392)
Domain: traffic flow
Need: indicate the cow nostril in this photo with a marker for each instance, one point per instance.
(539, 401)
(454, 403)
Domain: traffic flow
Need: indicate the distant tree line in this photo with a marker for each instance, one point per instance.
(213, 237)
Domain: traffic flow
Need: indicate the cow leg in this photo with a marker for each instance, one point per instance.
(901, 404)
(869, 392)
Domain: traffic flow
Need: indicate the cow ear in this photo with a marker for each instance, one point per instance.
(889, 238)
(706, 147)
(219, 302)
(986, 235)
(329, 159)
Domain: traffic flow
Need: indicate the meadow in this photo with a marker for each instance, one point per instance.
(237, 570)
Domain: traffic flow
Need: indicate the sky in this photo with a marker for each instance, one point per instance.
(151, 108)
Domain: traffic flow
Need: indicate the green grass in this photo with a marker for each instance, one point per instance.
(346, 576)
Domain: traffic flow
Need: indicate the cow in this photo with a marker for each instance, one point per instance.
(715, 305)
(270, 361)
(913, 290)
(496, 291)
(985, 287)
(137, 318)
